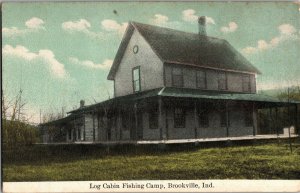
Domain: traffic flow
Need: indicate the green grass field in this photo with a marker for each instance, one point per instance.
(252, 161)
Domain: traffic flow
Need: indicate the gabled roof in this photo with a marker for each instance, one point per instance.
(178, 47)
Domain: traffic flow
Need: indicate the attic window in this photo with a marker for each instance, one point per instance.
(135, 49)
(136, 79)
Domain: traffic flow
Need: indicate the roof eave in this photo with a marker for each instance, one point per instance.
(212, 68)
(120, 52)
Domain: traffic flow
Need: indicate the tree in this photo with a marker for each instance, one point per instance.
(16, 128)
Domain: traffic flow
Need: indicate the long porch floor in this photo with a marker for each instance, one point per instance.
(177, 141)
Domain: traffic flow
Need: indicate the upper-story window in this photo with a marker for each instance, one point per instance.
(222, 81)
(201, 79)
(246, 83)
(136, 79)
(177, 77)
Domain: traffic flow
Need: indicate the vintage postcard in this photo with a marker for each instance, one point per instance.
(150, 96)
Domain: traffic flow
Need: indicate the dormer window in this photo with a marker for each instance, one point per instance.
(136, 79)
(222, 81)
(177, 77)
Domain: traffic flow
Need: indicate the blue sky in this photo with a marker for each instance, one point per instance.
(60, 53)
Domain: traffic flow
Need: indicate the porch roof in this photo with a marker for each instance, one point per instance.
(186, 93)
(176, 93)
(60, 121)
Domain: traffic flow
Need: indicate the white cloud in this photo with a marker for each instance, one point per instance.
(81, 26)
(159, 19)
(287, 29)
(210, 20)
(90, 64)
(12, 32)
(163, 21)
(113, 26)
(189, 15)
(232, 27)
(286, 32)
(33, 25)
(56, 68)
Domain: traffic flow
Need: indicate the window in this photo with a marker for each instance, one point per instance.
(153, 119)
(223, 119)
(246, 83)
(179, 118)
(79, 134)
(70, 134)
(222, 81)
(201, 79)
(126, 121)
(101, 123)
(223, 115)
(203, 116)
(177, 77)
(248, 118)
(136, 79)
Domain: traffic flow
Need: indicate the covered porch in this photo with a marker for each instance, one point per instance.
(173, 115)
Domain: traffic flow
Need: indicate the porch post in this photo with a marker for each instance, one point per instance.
(67, 138)
(72, 131)
(119, 123)
(227, 119)
(270, 120)
(195, 119)
(83, 128)
(76, 132)
(253, 120)
(296, 120)
(105, 123)
(167, 124)
(94, 136)
(160, 117)
(276, 121)
(136, 119)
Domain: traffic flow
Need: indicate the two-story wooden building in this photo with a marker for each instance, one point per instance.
(169, 85)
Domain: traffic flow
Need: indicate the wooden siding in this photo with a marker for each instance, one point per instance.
(234, 80)
(151, 67)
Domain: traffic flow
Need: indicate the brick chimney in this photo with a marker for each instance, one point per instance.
(81, 103)
(202, 25)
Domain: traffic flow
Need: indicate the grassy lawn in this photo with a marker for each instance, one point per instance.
(252, 161)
